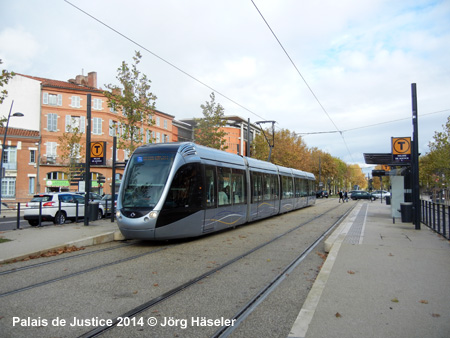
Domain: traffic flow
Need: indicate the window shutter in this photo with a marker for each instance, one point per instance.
(59, 99)
(82, 124)
(45, 98)
(68, 120)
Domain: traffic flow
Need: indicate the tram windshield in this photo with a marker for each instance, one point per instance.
(145, 180)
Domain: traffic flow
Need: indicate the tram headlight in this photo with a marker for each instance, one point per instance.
(118, 215)
(153, 214)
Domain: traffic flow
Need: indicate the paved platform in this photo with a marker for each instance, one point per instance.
(36, 240)
(379, 280)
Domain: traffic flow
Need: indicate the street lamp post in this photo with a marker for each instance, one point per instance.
(3, 150)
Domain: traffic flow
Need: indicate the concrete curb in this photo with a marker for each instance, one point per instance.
(89, 241)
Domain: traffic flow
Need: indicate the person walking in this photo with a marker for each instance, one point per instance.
(345, 197)
(341, 196)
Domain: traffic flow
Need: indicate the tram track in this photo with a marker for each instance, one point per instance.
(248, 308)
(78, 273)
(170, 282)
(62, 259)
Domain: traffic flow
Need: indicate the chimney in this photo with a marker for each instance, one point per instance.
(92, 79)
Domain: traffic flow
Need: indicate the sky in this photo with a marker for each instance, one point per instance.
(340, 67)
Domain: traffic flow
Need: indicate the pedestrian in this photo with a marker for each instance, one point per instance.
(341, 196)
(345, 197)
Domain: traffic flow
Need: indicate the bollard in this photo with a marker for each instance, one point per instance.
(18, 216)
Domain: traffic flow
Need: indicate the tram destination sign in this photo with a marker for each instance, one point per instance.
(401, 149)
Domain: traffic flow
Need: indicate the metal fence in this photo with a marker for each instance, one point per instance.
(436, 217)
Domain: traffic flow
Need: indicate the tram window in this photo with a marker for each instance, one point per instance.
(275, 188)
(299, 187)
(224, 185)
(266, 187)
(287, 187)
(238, 183)
(256, 187)
(210, 186)
(186, 189)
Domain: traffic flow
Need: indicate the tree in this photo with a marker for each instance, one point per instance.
(136, 102)
(207, 130)
(289, 150)
(435, 165)
(4, 79)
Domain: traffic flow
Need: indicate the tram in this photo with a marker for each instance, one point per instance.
(182, 190)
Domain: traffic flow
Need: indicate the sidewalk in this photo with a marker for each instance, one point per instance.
(33, 241)
(380, 280)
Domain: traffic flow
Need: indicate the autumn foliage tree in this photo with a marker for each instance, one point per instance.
(291, 151)
(434, 167)
(207, 131)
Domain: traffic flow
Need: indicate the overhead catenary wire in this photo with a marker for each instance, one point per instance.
(341, 132)
(164, 60)
(304, 80)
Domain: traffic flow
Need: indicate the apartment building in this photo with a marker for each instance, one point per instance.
(51, 108)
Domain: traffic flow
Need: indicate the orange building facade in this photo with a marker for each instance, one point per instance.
(63, 105)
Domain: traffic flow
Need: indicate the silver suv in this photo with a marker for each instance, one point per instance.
(50, 208)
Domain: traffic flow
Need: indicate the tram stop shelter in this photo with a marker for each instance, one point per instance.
(400, 177)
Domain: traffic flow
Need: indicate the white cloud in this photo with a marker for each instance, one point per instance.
(18, 48)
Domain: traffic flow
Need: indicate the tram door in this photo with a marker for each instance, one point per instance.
(210, 221)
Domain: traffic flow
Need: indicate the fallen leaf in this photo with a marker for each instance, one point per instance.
(390, 255)
(435, 315)
(135, 292)
(423, 301)
(350, 272)
(156, 284)
(338, 315)
(394, 300)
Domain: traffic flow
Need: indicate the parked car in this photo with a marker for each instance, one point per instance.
(379, 193)
(94, 198)
(106, 202)
(50, 207)
(361, 195)
(322, 194)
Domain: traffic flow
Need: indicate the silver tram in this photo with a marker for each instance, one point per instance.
(177, 190)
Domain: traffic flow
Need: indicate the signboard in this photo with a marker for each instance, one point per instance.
(401, 149)
(98, 153)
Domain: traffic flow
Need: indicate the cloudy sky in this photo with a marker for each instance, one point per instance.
(349, 71)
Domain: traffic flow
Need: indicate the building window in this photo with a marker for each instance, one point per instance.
(31, 181)
(51, 152)
(158, 137)
(9, 187)
(75, 102)
(10, 158)
(52, 122)
(52, 99)
(113, 126)
(157, 121)
(75, 123)
(32, 156)
(97, 129)
(97, 104)
(165, 124)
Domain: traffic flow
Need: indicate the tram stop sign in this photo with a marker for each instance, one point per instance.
(98, 153)
(401, 149)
